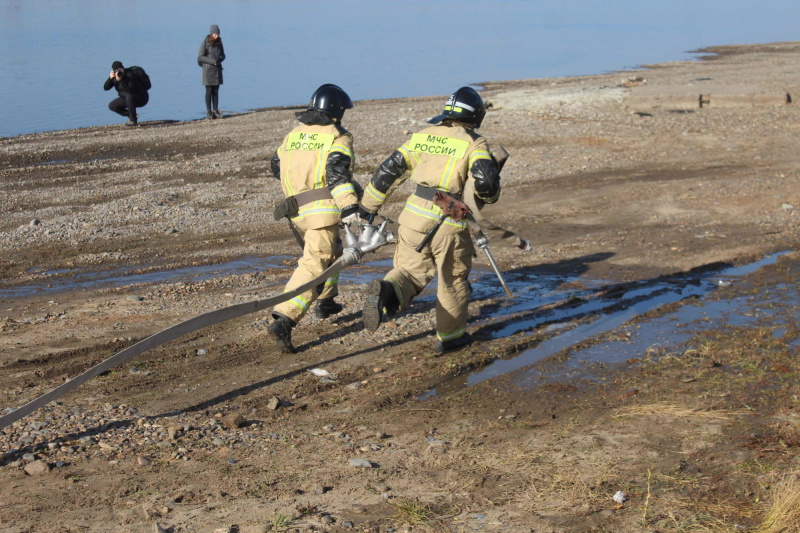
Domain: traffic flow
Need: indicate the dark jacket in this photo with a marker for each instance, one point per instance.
(126, 85)
(210, 57)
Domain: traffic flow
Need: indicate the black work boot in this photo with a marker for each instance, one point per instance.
(327, 307)
(281, 331)
(381, 303)
(452, 344)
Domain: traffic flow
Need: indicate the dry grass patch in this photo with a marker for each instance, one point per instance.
(674, 411)
(784, 515)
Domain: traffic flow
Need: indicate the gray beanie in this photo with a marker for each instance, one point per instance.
(214, 29)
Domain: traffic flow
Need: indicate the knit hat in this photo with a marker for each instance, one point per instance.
(214, 29)
(116, 64)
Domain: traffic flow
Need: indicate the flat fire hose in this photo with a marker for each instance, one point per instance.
(349, 257)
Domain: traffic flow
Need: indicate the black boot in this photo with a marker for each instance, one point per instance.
(281, 331)
(381, 303)
(452, 344)
(327, 307)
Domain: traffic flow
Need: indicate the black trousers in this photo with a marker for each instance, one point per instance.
(126, 105)
(212, 97)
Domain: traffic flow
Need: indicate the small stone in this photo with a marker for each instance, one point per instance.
(787, 207)
(233, 420)
(174, 432)
(201, 351)
(360, 463)
(35, 222)
(143, 461)
(37, 468)
(355, 385)
(135, 298)
(273, 403)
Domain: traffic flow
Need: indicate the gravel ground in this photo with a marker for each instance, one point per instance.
(616, 179)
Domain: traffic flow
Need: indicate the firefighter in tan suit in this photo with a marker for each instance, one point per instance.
(315, 164)
(441, 158)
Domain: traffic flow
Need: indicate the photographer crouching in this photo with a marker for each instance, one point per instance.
(132, 85)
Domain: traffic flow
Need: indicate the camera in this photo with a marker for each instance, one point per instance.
(119, 71)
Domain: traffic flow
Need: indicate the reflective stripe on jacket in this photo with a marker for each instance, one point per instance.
(304, 158)
(443, 157)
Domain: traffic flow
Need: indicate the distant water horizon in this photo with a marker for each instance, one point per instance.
(56, 54)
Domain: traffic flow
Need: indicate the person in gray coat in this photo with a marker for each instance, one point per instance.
(210, 57)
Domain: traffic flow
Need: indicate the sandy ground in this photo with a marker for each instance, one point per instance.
(625, 183)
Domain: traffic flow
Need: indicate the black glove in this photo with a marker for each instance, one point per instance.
(363, 213)
(347, 211)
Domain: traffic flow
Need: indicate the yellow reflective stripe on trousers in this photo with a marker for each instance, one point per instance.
(301, 303)
(442, 336)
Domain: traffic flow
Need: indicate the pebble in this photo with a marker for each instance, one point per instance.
(233, 420)
(36, 468)
(360, 463)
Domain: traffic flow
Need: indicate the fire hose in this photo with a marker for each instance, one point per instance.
(369, 239)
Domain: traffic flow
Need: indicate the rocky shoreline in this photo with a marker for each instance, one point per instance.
(620, 181)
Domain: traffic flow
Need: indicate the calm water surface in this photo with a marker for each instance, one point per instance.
(56, 54)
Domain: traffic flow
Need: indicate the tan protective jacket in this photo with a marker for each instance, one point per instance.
(440, 157)
(304, 158)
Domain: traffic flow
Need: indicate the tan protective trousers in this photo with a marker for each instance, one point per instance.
(449, 256)
(321, 250)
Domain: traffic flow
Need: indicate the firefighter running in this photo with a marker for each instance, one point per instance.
(315, 165)
(443, 158)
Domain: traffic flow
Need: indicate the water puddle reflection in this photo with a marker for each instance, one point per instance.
(582, 314)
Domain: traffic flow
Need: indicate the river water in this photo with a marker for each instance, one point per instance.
(56, 54)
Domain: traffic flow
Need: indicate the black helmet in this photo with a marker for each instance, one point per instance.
(331, 100)
(464, 105)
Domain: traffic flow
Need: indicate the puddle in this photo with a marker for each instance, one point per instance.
(120, 277)
(567, 307)
(67, 280)
(581, 314)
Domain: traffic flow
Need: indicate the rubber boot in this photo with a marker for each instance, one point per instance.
(452, 344)
(327, 307)
(281, 331)
(382, 303)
